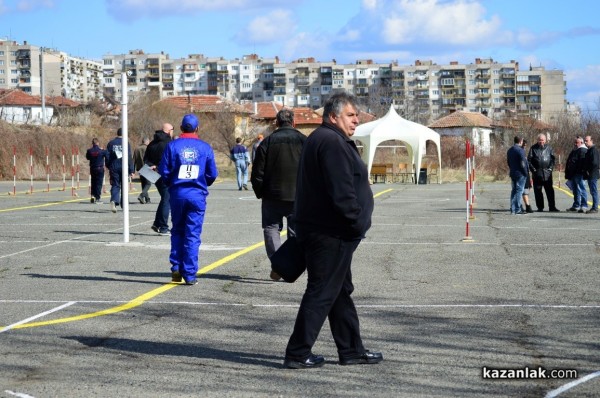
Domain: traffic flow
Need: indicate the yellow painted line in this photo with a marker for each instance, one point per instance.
(142, 298)
(569, 193)
(382, 192)
(43, 205)
(149, 295)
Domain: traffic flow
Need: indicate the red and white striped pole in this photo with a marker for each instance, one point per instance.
(47, 171)
(30, 170)
(64, 171)
(14, 170)
(72, 171)
(77, 165)
(468, 237)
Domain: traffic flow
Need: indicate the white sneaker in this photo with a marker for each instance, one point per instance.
(113, 207)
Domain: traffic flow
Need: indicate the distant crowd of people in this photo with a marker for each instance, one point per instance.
(535, 170)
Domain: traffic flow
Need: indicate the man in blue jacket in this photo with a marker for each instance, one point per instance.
(517, 164)
(97, 157)
(114, 163)
(333, 209)
(188, 168)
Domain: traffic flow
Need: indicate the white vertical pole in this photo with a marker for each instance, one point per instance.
(125, 172)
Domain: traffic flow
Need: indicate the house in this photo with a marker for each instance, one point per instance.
(479, 128)
(18, 107)
(212, 106)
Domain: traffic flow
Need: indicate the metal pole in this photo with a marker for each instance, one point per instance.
(125, 159)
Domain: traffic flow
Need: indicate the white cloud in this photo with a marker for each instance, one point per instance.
(268, 28)
(369, 4)
(457, 23)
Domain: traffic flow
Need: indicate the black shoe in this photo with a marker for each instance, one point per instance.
(142, 201)
(275, 276)
(191, 282)
(313, 361)
(164, 232)
(176, 277)
(528, 209)
(582, 210)
(554, 210)
(366, 358)
(591, 211)
(92, 200)
(154, 228)
(541, 210)
(573, 209)
(240, 189)
(245, 187)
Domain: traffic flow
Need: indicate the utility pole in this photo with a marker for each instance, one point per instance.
(42, 89)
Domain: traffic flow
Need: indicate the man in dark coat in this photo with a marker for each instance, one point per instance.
(574, 172)
(114, 163)
(97, 157)
(274, 178)
(333, 209)
(592, 163)
(152, 158)
(541, 164)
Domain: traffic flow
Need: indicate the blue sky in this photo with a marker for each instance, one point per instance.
(555, 34)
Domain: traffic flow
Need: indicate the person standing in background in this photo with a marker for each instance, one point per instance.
(239, 155)
(114, 163)
(138, 160)
(528, 184)
(152, 158)
(592, 163)
(273, 178)
(517, 164)
(541, 164)
(259, 139)
(97, 157)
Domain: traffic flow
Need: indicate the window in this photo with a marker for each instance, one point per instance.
(1, 71)
(108, 62)
(13, 72)
(108, 80)
(2, 81)
(471, 72)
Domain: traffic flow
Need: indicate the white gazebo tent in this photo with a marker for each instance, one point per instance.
(394, 127)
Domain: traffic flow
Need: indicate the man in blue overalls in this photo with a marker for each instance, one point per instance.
(188, 168)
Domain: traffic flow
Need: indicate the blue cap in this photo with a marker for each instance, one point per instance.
(189, 124)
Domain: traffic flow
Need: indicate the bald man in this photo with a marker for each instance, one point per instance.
(152, 158)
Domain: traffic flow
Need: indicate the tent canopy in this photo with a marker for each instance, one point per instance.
(394, 127)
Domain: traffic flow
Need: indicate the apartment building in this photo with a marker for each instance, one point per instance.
(422, 92)
(22, 66)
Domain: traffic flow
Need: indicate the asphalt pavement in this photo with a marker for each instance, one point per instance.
(89, 311)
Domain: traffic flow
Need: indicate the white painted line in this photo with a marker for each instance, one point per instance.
(60, 307)
(18, 394)
(568, 386)
(426, 306)
(546, 244)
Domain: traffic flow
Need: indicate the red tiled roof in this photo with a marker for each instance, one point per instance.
(264, 110)
(20, 98)
(204, 104)
(463, 119)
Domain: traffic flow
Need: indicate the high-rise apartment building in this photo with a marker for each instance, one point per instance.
(22, 67)
(423, 92)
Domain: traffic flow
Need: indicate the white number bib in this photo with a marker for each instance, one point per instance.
(188, 171)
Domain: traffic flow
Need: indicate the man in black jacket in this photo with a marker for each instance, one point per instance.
(333, 209)
(574, 172)
(274, 178)
(541, 163)
(114, 163)
(592, 163)
(152, 158)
